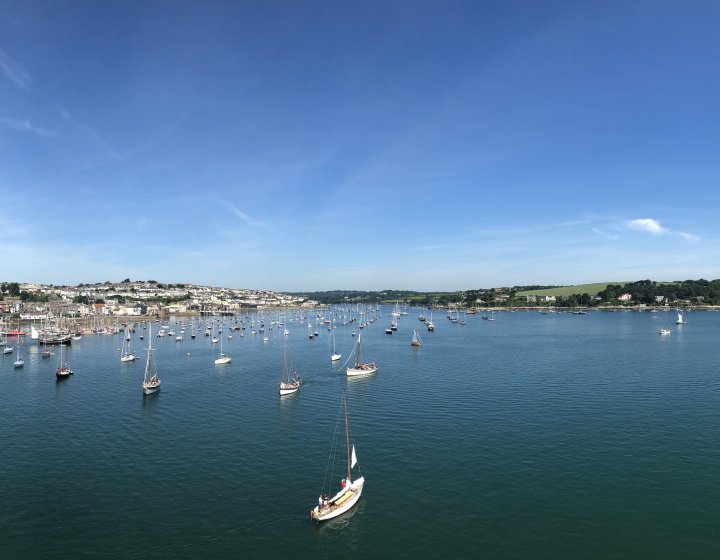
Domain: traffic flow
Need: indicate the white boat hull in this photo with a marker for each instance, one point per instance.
(128, 358)
(223, 360)
(288, 389)
(365, 369)
(150, 389)
(329, 513)
(335, 357)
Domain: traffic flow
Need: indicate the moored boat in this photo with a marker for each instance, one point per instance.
(63, 371)
(293, 381)
(151, 381)
(350, 490)
(360, 367)
(222, 357)
(54, 339)
(415, 339)
(19, 361)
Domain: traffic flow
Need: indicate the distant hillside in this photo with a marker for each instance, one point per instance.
(565, 291)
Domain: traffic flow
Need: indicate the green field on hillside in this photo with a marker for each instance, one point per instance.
(591, 289)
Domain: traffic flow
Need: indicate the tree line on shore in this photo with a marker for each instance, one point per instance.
(646, 292)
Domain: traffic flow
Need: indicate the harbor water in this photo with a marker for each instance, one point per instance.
(530, 436)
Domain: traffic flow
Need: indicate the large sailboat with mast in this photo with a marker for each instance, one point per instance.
(127, 355)
(361, 368)
(350, 490)
(222, 357)
(64, 370)
(151, 381)
(335, 356)
(289, 382)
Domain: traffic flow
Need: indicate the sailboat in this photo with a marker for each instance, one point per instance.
(350, 491)
(19, 361)
(429, 324)
(222, 358)
(126, 355)
(151, 382)
(335, 356)
(680, 320)
(361, 368)
(293, 383)
(665, 331)
(415, 339)
(63, 369)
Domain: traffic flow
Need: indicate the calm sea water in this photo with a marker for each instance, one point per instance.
(533, 436)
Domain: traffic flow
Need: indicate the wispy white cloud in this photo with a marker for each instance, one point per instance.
(14, 71)
(92, 133)
(24, 125)
(689, 236)
(605, 234)
(647, 225)
(245, 218)
(654, 227)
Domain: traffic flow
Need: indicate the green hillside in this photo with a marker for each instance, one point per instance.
(590, 289)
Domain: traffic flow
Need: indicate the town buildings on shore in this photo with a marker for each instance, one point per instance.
(136, 299)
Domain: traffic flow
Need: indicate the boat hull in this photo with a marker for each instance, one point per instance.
(150, 389)
(53, 340)
(288, 389)
(329, 513)
(365, 369)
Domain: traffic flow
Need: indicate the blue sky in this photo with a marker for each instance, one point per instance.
(427, 145)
